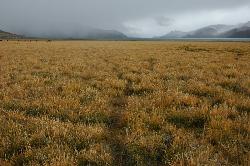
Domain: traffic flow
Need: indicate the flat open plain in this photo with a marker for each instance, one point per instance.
(124, 103)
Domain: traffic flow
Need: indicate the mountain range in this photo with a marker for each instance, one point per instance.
(7, 35)
(84, 33)
(213, 31)
(81, 33)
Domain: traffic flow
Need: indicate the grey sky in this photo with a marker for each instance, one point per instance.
(143, 18)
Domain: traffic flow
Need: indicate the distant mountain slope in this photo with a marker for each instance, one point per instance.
(213, 31)
(206, 32)
(78, 33)
(221, 27)
(242, 32)
(7, 35)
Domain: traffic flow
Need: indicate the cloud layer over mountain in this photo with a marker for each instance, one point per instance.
(132, 17)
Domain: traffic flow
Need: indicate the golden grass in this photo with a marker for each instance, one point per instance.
(124, 103)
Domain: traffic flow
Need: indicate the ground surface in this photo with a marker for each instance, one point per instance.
(124, 103)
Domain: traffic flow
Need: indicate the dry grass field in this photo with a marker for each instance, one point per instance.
(124, 103)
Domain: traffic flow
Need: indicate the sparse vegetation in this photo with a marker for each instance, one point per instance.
(124, 103)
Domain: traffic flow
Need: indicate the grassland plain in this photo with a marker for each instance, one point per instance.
(124, 103)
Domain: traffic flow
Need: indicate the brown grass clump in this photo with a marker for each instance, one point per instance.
(124, 103)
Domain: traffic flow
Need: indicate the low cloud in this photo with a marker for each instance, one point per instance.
(164, 21)
(187, 21)
(133, 17)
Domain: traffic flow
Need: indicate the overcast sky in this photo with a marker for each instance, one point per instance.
(142, 18)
